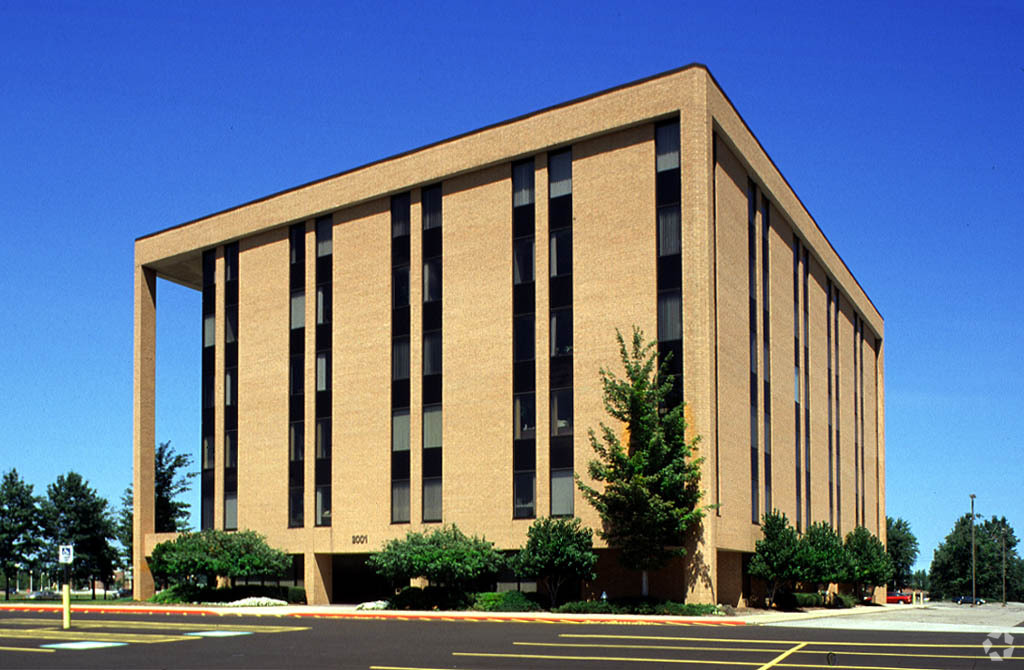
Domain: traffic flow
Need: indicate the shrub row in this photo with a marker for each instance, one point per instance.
(636, 606)
(182, 593)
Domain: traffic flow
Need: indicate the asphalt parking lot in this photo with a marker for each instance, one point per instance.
(174, 640)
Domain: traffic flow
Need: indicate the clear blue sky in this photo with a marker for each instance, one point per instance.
(898, 124)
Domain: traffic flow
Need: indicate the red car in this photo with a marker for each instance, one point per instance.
(898, 597)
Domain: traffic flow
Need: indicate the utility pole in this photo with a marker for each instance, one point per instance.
(974, 592)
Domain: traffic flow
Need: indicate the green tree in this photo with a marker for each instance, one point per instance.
(446, 557)
(822, 558)
(123, 528)
(775, 555)
(73, 513)
(901, 545)
(651, 486)
(868, 563)
(950, 572)
(197, 559)
(919, 580)
(19, 526)
(557, 551)
(169, 483)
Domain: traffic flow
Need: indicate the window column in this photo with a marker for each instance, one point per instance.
(831, 444)
(669, 249)
(231, 386)
(206, 481)
(838, 446)
(323, 443)
(432, 359)
(296, 374)
(807, 388)
(524, 399)
(796, 383)
(755, 382)
(766, 359)
(560, 299)
(400, 358)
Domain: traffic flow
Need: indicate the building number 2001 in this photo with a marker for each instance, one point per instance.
(359, 539)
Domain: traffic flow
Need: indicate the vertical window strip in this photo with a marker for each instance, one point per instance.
(668, 236)
(561, 435)
(755, 455)
(807, 386)
(432, 372)
(401, 484)
(828, 357)
(323, 471)
(838, 405)
(209, 348)
(766, 349)
(296, 376)
(524, 352)
(231, 386)
(863, 451)
(796, 382)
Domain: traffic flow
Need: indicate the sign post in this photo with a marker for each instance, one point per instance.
(66, 554)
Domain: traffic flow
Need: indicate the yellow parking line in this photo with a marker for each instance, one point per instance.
(783, 656)
(673, 647)
(32, 649)
(161, 625)
(59, 634)
(812, 643)
(617, 659)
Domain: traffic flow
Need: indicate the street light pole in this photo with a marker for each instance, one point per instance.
(974, 592)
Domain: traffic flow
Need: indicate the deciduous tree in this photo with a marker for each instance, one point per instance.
(75, 514)
(557, 551)
(648, 492)
(19, 526)
(868, 563)
(775, 555)
(822, 558)
(901, 546)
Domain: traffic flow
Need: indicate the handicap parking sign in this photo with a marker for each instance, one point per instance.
(66, 553)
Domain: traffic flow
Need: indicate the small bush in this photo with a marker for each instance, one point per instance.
(183, 593)
(636, 606)
(685, 609)
(430, 598)
(808, 600)
(504, 601)
(843, 600)
(588, 607)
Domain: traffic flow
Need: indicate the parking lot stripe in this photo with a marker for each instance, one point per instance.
(812, 643)
(60, 634)
(159, 625)
(783, 656)
(26, 649)
(670, 647)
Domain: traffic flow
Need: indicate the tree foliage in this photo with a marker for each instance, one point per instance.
(19, 526)
(868, 564)
(446, 557)
(169, 482)
(650, 496)
(822, 558)
(123, 528)
(195, 559)
(775, 555)
(901, 546)
(73, 513)
(557, 551)
(950, 573)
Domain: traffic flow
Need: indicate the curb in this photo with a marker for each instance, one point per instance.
(384, 615)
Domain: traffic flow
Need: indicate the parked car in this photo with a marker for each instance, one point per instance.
(42, 595)
(967, 600)
(898, 597)
(124, 593)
